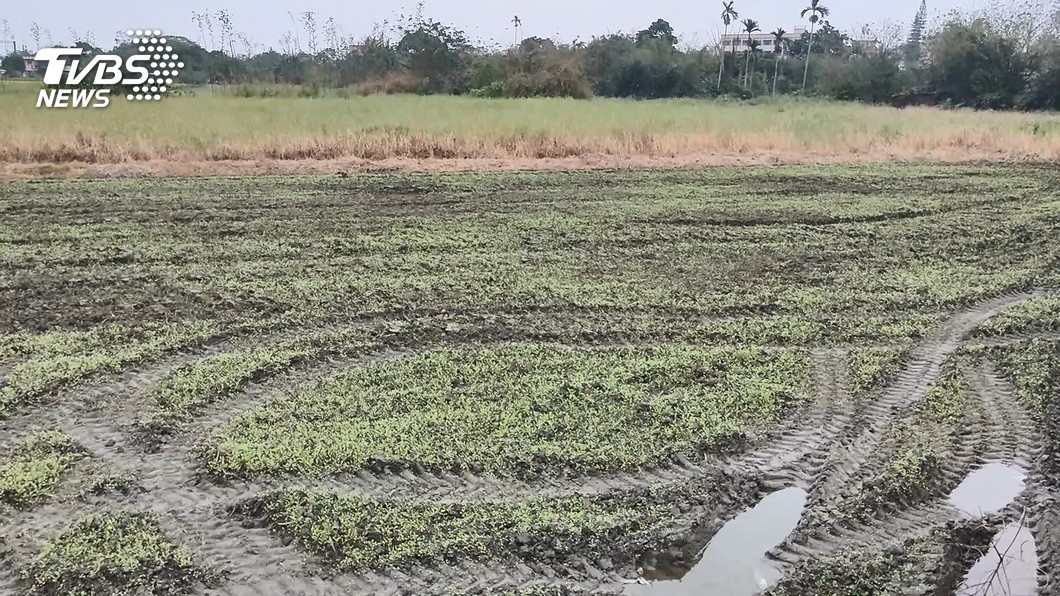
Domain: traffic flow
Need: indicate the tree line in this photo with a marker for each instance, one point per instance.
(1002, 59)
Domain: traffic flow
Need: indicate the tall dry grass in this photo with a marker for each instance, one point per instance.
(214, 126)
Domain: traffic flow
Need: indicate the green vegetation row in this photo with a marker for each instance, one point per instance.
(63, 361)
(114, 553)
(871, 368)
(1038, 314)
(188, 389)
(35, 467)
(357, 533)
(520, 409)
(364, 533)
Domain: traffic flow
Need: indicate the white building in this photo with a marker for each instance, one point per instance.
(739, 41)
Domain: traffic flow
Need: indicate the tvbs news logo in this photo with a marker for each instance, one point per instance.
(145, 76)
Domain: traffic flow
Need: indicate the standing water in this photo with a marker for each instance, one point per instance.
(1013, 573)
(734, 563)
(988, 490)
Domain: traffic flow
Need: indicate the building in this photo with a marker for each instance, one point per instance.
(33, 67)
(740, 41)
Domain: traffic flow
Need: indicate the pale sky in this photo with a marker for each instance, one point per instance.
(266, 22)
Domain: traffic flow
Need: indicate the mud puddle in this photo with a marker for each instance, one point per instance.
(988, 489)
(733, 562)
(1013, 572)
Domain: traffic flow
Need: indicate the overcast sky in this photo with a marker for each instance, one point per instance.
(266, 22)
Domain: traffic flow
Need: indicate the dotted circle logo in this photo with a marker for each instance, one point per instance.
(164, 66)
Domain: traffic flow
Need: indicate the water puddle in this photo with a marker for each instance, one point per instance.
(989, 489)
(733, 562)
(1012, 573)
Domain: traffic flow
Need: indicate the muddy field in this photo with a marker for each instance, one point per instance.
(830, 380)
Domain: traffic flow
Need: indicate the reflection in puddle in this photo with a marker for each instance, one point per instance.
(988, 490)
(734, 562)
(1015, 575)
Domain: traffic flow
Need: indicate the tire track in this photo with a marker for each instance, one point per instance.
(788, 456)
(1017, 438)
(911, 386)
(823, 527)
(1024, 445)
(9, 580)
(91, 406)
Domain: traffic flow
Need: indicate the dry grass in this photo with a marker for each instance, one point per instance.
(359, 131)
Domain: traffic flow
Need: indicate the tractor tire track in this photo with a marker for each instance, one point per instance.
(823, 527)
(9, 576)
(911, 386)
(1017, 440)
(1024, 445)
(85, 407)
(788, 456)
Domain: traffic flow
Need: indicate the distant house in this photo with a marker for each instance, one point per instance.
(737, 41)
(34, 68)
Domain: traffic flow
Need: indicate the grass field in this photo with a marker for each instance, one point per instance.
(216, 127)
(521, 383)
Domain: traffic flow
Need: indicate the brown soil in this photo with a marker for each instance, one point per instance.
(258, 167)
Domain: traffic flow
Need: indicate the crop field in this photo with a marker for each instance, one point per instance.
(526, 383)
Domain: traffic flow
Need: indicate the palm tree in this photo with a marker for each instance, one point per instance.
(778, 49)
(728, 15)
(816, 11)
(749, 26)
(755, 51)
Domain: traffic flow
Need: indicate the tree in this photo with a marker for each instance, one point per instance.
(750, 26)
(660, 29)
(728, 15)
(827, 40)
(816, 10)
(755, 49)
(1043, 86)
(974, 65)
(13, 64)
(916, 35)
(434, 53)
(778, 50)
